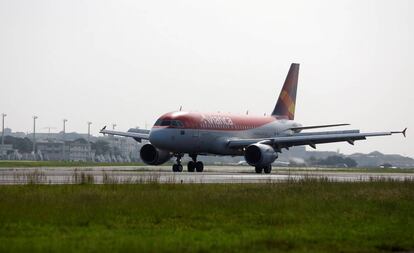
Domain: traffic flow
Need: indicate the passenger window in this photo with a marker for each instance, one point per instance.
(182, 132)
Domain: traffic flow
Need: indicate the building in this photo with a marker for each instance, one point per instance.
(77, 150)
(9, 132)
(50, 149)
(5, 149)
(127, 148)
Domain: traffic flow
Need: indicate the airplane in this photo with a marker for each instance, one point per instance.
(258, 138)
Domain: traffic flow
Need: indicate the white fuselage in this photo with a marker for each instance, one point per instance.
(207, 141)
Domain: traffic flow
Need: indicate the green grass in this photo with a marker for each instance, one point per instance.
(306, 216)
(362, 170)
(26, 164)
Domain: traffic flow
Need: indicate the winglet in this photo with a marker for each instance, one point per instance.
(403, 132)
(103, 128)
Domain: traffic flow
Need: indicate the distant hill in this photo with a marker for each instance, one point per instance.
(375, 159)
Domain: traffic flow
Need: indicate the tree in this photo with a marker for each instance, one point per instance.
(350, 162)
(101, 147)
(22, 145)
(336, 161)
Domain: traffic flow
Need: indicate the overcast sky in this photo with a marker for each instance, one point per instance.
(127, 62)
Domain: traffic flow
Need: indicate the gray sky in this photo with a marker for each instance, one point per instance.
(130, 61)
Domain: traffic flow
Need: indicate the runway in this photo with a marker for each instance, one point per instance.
(162, 174)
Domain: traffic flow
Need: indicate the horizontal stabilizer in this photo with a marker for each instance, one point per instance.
(136, 134)
(313, 127)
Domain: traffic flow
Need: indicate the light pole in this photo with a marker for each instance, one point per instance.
(34, 134)
(3, 115)
(48, 131)
(112, 138)
(64, 127)
(89, 136)
(64, 138)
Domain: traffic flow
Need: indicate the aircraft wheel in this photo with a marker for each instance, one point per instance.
(258, 169)
(199, 166)
(268, 169)
(191, 166)
(179, 168)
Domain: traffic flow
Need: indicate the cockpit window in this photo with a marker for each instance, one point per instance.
(170, 123)
(158, 122)
(166, 123)
(178, 123)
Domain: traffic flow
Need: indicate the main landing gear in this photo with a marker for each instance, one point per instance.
(192, 166)
(267, 169)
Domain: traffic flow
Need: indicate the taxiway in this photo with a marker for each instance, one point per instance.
(162, 174)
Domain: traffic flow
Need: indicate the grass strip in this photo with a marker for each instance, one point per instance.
(304, 216)
(31, 164)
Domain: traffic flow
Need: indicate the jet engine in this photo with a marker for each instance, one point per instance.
(154, 156)
(259, 155)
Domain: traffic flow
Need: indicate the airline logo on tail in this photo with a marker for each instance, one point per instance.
(285, 106)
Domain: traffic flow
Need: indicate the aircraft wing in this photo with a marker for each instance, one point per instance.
(137, 134)
(310, 139)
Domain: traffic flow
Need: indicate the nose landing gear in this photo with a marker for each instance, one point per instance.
(178, 167)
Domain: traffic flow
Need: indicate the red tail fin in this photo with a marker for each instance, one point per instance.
(285, 106)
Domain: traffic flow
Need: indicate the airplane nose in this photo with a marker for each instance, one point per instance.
(157, 137)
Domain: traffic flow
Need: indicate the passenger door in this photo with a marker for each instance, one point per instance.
(195, 139)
